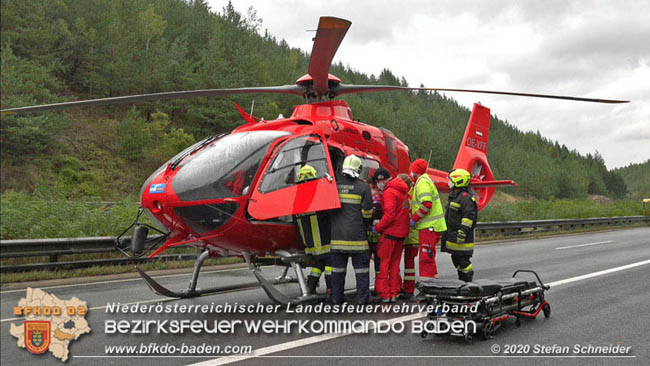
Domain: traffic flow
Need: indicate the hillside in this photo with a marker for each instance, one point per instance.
(637, 179)
(58, 50)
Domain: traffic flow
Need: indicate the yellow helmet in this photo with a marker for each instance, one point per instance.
(306, 172)
(352, 166)
(459, 178)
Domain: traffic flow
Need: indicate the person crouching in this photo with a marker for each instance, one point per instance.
(394, 228)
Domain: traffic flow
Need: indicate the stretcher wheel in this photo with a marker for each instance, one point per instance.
(547, 310)
(518, 322)
(424, 334)
(487, 331)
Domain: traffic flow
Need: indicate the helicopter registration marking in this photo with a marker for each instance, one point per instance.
(157, 188)
(476, 144)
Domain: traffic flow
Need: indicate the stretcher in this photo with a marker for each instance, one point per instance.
(482, 305)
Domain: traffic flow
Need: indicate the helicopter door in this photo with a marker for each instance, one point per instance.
(283, 191)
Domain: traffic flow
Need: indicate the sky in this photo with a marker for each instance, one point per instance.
(594, 49)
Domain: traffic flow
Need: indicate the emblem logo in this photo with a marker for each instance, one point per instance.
(157, 188)
(37, 335)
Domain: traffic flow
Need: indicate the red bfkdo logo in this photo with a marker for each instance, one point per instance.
(37, 335)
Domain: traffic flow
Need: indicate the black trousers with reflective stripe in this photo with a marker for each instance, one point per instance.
(360, 263)
(461, 261)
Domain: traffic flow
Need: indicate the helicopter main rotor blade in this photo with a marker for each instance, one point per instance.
(284, 89)
(348, 89)
(565, 97)
(331, 32)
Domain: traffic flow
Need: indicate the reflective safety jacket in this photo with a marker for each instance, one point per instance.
(427, 217)
(349, 223)
(461, 214)
(314, 229)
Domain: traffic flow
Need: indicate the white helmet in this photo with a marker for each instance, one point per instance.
(352, 166)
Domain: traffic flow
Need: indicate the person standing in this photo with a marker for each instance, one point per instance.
(349, 225)
(314, 229)
(427, 218)
(394, 228)
(461, 214)
(411, 246)
(377, 185)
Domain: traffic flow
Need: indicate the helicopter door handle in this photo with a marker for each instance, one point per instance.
(329, 178)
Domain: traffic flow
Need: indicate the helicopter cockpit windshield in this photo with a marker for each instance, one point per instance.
(224, 168)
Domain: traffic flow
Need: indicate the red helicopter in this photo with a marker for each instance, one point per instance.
(235, 194)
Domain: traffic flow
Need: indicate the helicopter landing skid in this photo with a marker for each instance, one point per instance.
(272, 292)
(192, 290)
(267, 286)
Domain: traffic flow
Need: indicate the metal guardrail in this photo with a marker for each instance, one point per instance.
(539, 226)
(53, 248)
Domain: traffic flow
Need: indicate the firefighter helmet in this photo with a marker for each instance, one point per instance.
(460, 178)
(352, 166)
(307, 172)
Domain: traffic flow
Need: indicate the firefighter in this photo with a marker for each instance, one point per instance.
(394, 228)
(314, 229)
(427, 218)
(377, 185)
(411, 246)
(349, 225)
(461, 215)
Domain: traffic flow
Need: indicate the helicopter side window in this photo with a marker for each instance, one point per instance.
(284, 171)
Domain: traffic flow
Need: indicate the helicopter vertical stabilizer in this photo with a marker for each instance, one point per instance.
(472, 154)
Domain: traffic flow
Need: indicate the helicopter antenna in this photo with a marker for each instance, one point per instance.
(252, 106)
(429, 160)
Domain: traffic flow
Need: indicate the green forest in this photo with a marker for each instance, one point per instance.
(60, 50)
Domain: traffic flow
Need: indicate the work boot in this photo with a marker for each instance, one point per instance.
(328, 296)
(466, 276)
(312, 283)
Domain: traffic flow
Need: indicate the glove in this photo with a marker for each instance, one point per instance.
(412, 223)
(374, 230)
(461, 236)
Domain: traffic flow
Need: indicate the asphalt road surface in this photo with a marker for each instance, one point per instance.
(600, 297)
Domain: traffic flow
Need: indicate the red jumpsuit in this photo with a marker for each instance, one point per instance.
(394, 227)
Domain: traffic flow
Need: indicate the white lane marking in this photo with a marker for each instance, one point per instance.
(599, 273)
(124, 280)
(584, 245)
(296, 343)
(325, 337)
(368, 356)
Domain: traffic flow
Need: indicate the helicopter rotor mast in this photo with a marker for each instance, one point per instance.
(329, 36)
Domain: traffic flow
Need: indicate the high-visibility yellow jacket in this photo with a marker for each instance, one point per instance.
(425, 190)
